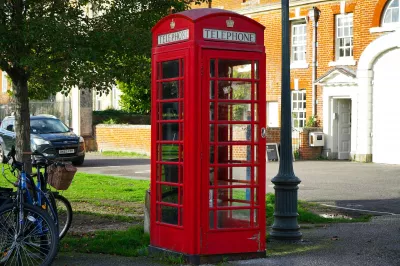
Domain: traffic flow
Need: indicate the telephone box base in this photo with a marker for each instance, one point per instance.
(204, 259)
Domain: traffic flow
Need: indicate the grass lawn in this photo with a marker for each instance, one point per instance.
(109, 191)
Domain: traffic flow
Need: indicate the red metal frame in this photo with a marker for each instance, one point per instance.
(188, 188)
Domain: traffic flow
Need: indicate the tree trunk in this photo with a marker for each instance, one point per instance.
(22, 121)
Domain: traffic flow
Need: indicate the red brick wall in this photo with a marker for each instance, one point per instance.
(130, 138)
(273, 135)
(307, 152)
(366, 15)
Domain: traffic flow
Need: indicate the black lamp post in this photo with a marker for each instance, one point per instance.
(285, 225)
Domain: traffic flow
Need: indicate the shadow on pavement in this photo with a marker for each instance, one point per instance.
(378, 207)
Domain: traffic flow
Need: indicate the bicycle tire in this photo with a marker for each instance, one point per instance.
(64, 212)
(38, 243)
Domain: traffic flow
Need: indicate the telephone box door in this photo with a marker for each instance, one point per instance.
(233, 156)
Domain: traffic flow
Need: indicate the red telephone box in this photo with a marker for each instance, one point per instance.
(208, 136)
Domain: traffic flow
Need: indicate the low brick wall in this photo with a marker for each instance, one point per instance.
(306, 151)
(273, 135)
(137, 138)
(129, 138)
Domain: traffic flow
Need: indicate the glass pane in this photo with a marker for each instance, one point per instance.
(169, 215)
(182, 88)
(169, 152)
(212, 68)
(234, 68)
(212, 111)
(169, 173)
(169, 111)
(395, 3)
(182, 68)
(256, 159)
(256, 70)
(212, 154)
(256, 91)
(233, 112)
(211, 213)
(256, 112)
(256, 133)
(170, 131)
(233, 176)
(170, 69)
(388, 17)
(232, 154)
(295, 96)
(233, 219)
(234, 90)
(234, 132)
(256, 178)
(211, 176)
(170, 90)
(395, 15)
(169, 194)
(181, 110)
(255, 197)
(212, 89)
(212, 132)
(233, 197)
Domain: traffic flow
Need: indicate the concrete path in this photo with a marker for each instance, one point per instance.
(376, 243)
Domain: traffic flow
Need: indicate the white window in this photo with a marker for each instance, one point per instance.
(344, 36)
(391, 13)
(299, 108)
(299, 42)
(272, 114)
(4, 82)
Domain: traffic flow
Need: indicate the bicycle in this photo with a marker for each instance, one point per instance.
(62, 207)
(28, 235)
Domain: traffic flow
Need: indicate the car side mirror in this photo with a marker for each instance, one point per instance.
(71, 129)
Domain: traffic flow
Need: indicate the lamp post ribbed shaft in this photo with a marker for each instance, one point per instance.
(285, 225)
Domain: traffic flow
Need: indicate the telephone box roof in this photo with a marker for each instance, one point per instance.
(201, 13)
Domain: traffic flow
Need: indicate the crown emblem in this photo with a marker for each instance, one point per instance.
(230, 23)
(172, 24)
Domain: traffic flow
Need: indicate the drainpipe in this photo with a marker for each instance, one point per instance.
(313, 15)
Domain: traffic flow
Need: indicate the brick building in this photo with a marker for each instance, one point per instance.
(353, 87)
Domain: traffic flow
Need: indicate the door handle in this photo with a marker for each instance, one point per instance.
(263, 132)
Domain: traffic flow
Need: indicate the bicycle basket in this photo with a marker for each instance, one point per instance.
(60, 176)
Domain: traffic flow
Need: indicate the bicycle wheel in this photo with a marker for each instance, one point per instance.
(64, 212)
(34, 242)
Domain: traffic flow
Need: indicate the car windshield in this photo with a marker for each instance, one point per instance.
(48, 126)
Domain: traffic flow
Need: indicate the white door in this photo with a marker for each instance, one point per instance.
(344, 128)
(385, 103)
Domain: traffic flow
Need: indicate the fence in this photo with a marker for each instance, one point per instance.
(60, 109)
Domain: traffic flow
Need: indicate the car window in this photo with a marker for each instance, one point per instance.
(48, 126)
(10, 127)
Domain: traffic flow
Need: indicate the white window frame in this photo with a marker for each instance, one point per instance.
(344, 31)
(299, 108)
(4, 82)
(300, 42)
(389, 10)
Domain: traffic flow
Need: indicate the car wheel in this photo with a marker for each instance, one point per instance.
(2, 155)
(79, 161)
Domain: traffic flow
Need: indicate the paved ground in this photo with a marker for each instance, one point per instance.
(373, 187)
(376, 243)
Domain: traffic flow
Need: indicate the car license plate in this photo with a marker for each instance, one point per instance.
(66, 151)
